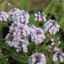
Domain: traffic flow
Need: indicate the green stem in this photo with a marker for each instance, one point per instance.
(43, 45)
(36, 49)
(26, 55)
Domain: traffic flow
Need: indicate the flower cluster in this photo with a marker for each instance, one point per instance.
(4, 16)
(40, 16)
(54, 43)
(17, 36)
(37, 35)
(58, 54)
(19, 33)
(19, 15)
(37, 58)
(51, 26)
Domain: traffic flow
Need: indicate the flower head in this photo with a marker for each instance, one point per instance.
(19, 16)
(51, 26)
(58, 56)
(37, 35)
(3, 16)
(17, 37)
(40, 16)
(37, 58)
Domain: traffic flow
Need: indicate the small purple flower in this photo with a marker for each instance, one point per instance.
(37, 58)
(40, 16)
(37, 35)
(4, 16)
(51, 26)
(19, 16)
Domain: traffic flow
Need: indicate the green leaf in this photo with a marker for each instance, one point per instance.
(17, 58)
(23, 4)
(61, 23)
(47, 9)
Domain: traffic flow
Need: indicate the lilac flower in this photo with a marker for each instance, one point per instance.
(37, 35)
(58, 56)
(26, 30)
(55, 58)
(16, 37)
(51, 26)
(61, 58)
(56, 49)
(37, 58)
(19, 16)
(3, 16)
(53, 47)
(40, 16)
(55, 41)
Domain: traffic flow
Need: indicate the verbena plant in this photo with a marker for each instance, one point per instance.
(29, 43)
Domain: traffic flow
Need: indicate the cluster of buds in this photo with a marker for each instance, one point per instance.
(54, 42)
